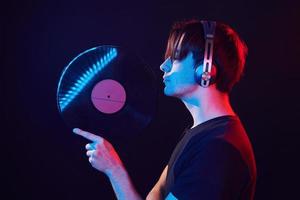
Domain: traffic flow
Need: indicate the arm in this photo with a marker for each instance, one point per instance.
(156, 192)
(104, 158)
(122, 185)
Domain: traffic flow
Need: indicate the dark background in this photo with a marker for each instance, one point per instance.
(42, 159)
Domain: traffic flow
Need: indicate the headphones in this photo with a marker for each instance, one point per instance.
(204, 77)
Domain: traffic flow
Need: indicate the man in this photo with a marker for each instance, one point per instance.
(214, 160)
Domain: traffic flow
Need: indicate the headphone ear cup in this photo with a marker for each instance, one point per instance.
(202, 76)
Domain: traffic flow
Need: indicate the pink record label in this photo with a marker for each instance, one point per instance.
(108, 96)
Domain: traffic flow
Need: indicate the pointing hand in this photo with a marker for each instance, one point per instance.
(101, 153)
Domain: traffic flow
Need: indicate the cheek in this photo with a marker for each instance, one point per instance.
(185, 78)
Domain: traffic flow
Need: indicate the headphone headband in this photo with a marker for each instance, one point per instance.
(209, 32)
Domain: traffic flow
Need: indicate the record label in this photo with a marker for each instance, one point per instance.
(108, 96)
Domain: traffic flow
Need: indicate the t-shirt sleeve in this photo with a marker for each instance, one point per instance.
(213, 172)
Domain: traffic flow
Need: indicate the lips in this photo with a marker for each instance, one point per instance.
(166, 80)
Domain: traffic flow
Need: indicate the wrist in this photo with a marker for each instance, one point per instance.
(116, 172)
(121, 183)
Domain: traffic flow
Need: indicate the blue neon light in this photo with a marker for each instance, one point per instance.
(86, 77)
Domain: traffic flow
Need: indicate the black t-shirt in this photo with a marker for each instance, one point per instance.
(213, 161)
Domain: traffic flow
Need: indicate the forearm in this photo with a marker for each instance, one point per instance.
(122, 185)
(157, 191)
(154, 194)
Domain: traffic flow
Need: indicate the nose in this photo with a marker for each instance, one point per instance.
(166, 65)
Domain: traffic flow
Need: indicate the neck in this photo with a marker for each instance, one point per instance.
(207, 103)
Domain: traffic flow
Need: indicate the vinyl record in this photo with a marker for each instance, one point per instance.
(108, 91)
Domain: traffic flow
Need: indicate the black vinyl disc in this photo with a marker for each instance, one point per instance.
(108, 91)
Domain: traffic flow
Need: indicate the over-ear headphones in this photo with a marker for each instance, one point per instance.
(204, 77)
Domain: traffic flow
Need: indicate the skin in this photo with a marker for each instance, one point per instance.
(203, 104)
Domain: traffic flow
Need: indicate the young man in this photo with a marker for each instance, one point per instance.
(214, 160)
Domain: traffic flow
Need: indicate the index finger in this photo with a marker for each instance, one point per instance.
(90, 136)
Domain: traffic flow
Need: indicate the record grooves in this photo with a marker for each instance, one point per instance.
(108, 91)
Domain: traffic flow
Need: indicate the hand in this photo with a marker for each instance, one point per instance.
(104, 158)
(101, 153)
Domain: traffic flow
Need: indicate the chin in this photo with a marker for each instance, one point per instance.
(168, 92)
(178, 93)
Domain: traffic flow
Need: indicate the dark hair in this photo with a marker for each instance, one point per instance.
(230, 51)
